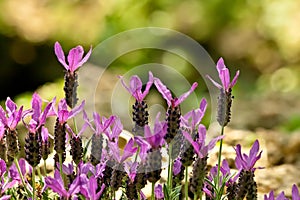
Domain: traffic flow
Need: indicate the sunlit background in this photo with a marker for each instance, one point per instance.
(259, 37)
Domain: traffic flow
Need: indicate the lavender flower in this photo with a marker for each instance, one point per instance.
(140, 113)
(45, 143)
(101, 125)
(10, 120)
(26, 170)
(33, 138)
(158, 191)
(3, 149)
(131, 182)
(118, 168)
(5, 185)
(75, 60)
(62, 116)
(245, 164)
(90, 189)
(225, 98)
(56, 184)
(155, 140)
(173, 113)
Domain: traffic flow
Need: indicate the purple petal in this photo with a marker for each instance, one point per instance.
(185, 95)
(148, 86)
(281, 196)
(220, 65)
(195, 145)
(164, 91)
(68, 169)
(2, 132)
(234, 80)
(10, 106)
(213, 142)
(214, 82)
(98, 195)
(36, 105)
(136, 87)
(56, 184)
(2, 168)
(5, 197)
(44, 134)
(63, 116)
(125, 86)
(203, 105)
(42, 121)
(225, 78)
(15, 119)
(62, 105)
(254, 150)
(159, 192)
(3, 118)
(76, 110)
(295, 193)
(117, 129)
(86, 57)
(60, 55)
(129, 150)
(75, 186)
(74, 58)
(177, 167)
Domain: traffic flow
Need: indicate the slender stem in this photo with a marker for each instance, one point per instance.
(170, 168)
(186, 184)
(195, 196)
(33, 183)
(39, 173)
(21, 176)
(45, 168)
(219, 159)
(152, 192)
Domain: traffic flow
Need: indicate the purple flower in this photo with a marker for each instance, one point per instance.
(102, 124)
(144, 146)
(26, 170)
(5, 185)
(155, 139)
(56, 184)
(195, 116)
(224, 76)
(177, 166)
(135, 87)
(131, 170)
(63, 113)
(12, 116)
(199, 145)
(38, 117)
(89, 190)
(158, 191)
(129, 150)
(75, 57)
(281, 196)
(114, 132)
(165, 92)
(295, 193)
(243, 161)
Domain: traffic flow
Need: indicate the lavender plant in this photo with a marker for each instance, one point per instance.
(111, 169)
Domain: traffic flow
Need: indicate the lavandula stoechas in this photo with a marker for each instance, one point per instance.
(154, 157)
(118, 169)
(76, 142)
(131, 182)
(224, 104)
(75, 60)
(101, 125)
(245, 164)
(173, 136)
(140, 112)
(62, 116)
(200, 165)
(9, 120)
(34, 127)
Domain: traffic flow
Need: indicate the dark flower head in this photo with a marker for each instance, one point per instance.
(224, 76)
(12, 116)
(243, 161)
(135, 87)
(165, 92)
(75, 57)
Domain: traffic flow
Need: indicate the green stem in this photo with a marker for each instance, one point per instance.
(33, 183)
(219, 159)
(186, 184)
(152, 192)
(170, 168)
(195, 197)
(45, 168)
(21, 176)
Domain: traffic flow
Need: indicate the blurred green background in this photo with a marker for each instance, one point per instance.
(259, 37)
